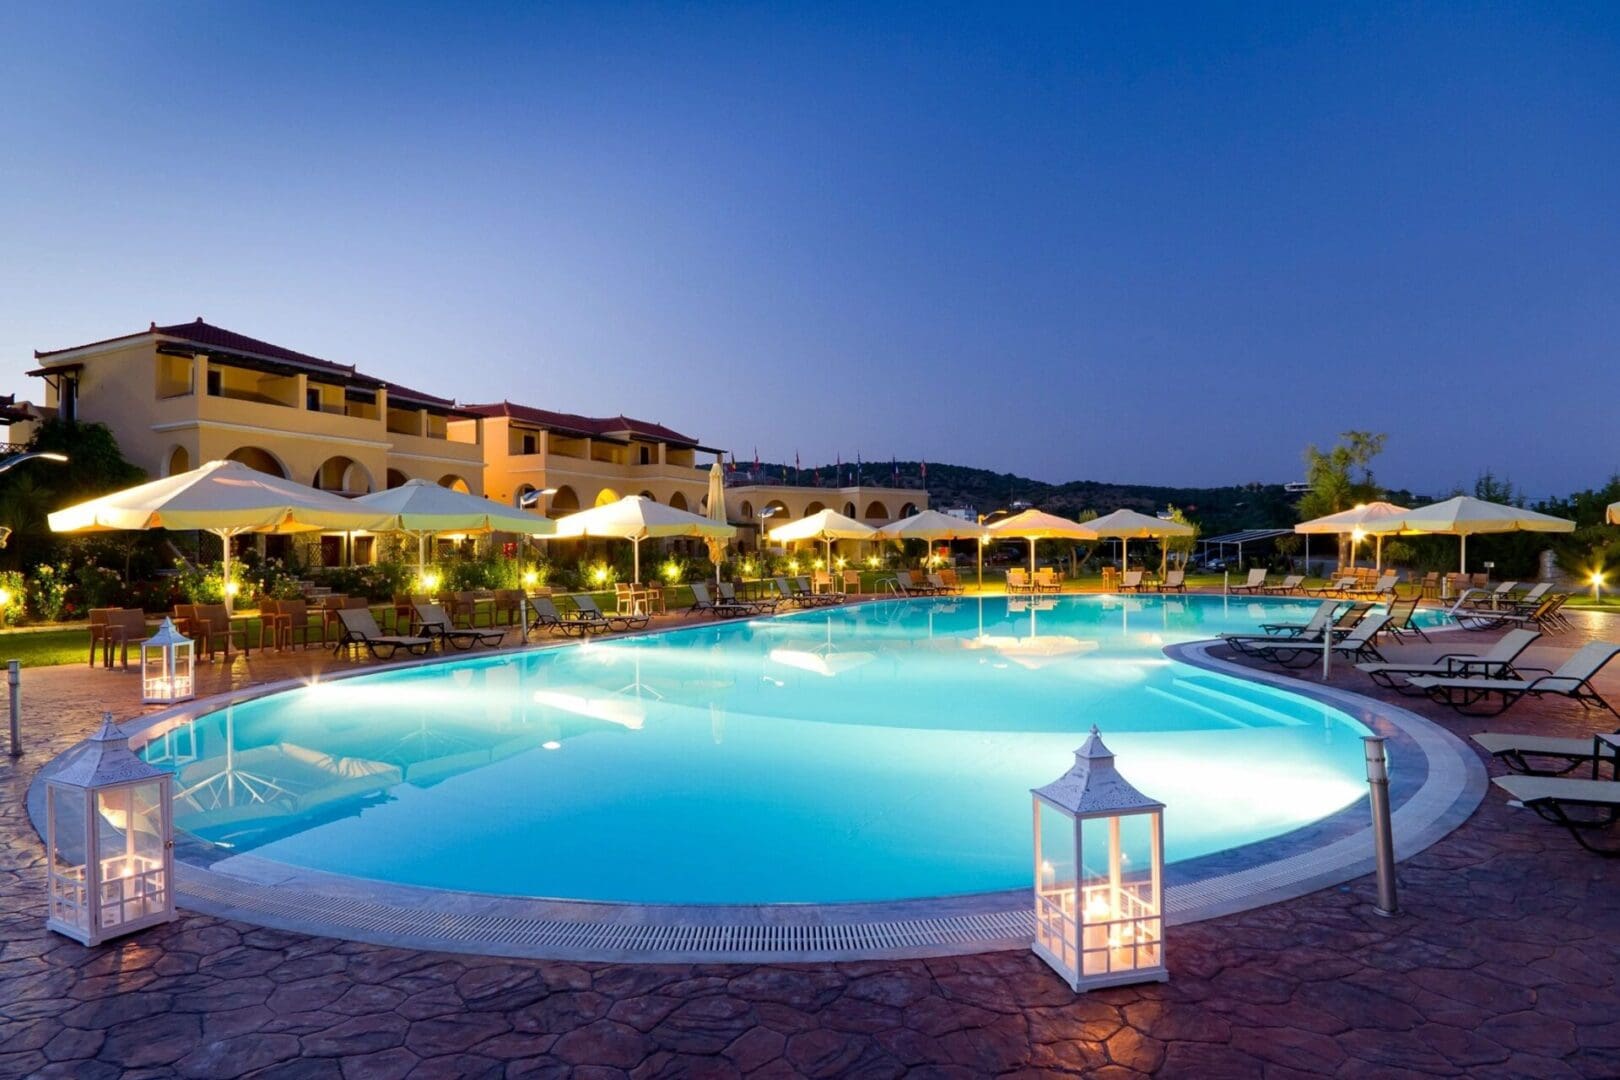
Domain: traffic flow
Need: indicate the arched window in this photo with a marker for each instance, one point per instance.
(564, 501)
(257, 458)
(876, 511)
(455, 483)
(678, 501)
(179, 461)
(607, 495)
(396, 478)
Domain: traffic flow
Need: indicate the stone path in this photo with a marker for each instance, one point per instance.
(1504, 964)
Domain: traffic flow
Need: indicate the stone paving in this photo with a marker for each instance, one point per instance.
(1504, 964)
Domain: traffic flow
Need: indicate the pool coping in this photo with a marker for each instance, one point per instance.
(269, 893)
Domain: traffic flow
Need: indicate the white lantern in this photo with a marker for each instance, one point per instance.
(168, 666)
(109, 841)
(1099, 875)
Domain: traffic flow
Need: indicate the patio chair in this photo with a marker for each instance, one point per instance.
(586, 603)
(464, 606)
(1131, 581)
(1514, 749)
(211, 623)
(1497, 662)
(1174, 581)
(508, 603)
(1553, 797)
(121, 628)
(1256, 583)
(1018, 581)
(852, 581)
(292, 626)
(1289, 584)
(1046, 579)
(360, 628)
(434, 622)
(1572, 679)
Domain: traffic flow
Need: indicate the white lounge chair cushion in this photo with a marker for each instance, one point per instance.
(1531, 788)
(1497, 742)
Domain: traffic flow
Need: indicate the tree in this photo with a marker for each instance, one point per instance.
(1341, 477)
(1181, 545)
(95, 466)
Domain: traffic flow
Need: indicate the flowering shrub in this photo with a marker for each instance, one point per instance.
(47, 592)
(206, 584)
(99, 586)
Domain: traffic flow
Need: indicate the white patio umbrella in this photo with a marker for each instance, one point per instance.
(1614, 513)
(422, 509)
(636, 518)
(824, 525)
(1033, 525)
(931, 525)
(225, 498)
(717, 514)
(1465, 516)
(1352, 521)
(1128, 525)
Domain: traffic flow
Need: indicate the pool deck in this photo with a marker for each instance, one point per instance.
(1505, 962)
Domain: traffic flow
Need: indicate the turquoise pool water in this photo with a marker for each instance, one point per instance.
(872, 752)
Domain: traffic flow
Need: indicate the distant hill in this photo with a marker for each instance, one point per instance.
(1216, 510)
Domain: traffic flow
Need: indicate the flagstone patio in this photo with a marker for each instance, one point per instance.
(1503, 963)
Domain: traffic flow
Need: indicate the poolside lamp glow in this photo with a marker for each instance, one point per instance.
(1099, 875)
(168, 667)
(109, 839)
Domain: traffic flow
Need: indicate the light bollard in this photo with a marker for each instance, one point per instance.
(1226, 582)
(1327, 651)
(1383, 833)
(14, 696)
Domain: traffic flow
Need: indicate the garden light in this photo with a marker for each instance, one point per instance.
(531, 578)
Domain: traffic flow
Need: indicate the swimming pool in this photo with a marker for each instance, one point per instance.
(872, 752)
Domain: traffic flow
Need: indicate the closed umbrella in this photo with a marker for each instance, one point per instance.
(636, 518)
(423, 509)
(225, 498)
(717, 514)
(1465, 516)
(1033, 525)
(1128, 525)
(1614, 513)
(825, 525)
(1354, 520)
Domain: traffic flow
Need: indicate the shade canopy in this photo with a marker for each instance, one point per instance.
(823, 525)
(225, 498)
(1033, 525)
(637, 518)
(1465, 516)
(1128, 525)
(1351, 520)
(420, 506)
(425, 509)
(1355, 520)
(220, 497)
(826, 526)
(930, 525)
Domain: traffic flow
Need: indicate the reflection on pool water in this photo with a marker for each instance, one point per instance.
(872, 752)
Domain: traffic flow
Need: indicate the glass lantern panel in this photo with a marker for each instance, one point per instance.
(66, 828)
(1055, 884)
(1122, 927)
(131, 850)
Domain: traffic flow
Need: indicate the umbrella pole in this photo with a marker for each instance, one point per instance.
(1378, 553)
(1032, 560)
(225, 566)
(421, 557)
(1462, 567)
(635, 545)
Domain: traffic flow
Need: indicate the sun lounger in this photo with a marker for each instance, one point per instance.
(360, 628)
(703, 602)
(1018, 581)
(1272, 633)
(1358, 644)
(1174, 581)
(1545, 614)
(1553, 797)
(434, 622)
(1256, 583)
(802, 587)
(1383, 586)
(545, 616)
(1501, 596)
(586, 603)
(1573, 680)
(728, 596)
(1290, 584)
(938, 584)
(1131, 581)
(1496, 662)
(1401, 619)
(1513, 749)
(1338, 587)
(1046, 580)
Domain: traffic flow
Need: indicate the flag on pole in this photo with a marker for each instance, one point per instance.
(795, 466)
(894, 469)
(925, 471)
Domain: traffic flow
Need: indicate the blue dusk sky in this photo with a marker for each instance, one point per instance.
(1156, 244)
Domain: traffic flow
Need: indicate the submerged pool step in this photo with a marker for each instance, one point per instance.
(1214, 691)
